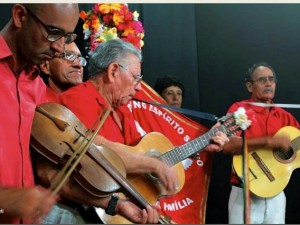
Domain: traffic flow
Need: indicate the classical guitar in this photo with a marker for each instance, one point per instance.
(270, 169)
(156, 144)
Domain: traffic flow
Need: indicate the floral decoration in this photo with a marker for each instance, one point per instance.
(111, 21)
(241, 117)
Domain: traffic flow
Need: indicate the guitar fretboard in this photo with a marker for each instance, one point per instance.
(184, 151)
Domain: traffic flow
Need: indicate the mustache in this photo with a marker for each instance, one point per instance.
(268, 90)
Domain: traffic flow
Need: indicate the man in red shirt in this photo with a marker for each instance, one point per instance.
(115, 77)
(261, 83)
(112, 90)
(24, 42)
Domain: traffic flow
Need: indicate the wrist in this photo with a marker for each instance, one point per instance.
(112, 205)
(268, 142)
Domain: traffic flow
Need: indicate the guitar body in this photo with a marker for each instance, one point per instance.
(269, 169)
(153, 144)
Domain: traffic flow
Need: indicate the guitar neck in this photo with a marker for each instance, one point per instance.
(184, 151)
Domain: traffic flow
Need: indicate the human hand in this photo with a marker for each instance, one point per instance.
(167, 176)
(30, 204)
(133, 213)
(281, 141)
(218, 141)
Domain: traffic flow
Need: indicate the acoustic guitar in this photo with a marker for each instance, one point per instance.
(156, 144)
(270, 169)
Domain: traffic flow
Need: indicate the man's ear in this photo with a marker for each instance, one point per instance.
(45, 67)
(249, 86)
(19, 15)
(112, 72)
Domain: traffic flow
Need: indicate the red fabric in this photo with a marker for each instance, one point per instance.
(189, 205)
(18, 97)
(52, 96)
(264, 123)
(86, 103)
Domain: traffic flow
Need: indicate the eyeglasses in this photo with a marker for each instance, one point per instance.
(54, 34)
(264, 80)
(71, 56)
(138, 78)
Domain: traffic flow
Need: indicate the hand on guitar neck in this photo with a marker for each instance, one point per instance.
(218, 141)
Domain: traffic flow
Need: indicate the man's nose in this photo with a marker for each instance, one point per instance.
(59, 45)
(138, 87)
(175, 96)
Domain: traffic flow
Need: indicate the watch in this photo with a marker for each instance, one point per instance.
(112, 204)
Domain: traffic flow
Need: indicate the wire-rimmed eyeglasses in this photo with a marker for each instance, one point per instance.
(138, 78)
(71, 56)
(264, 80)
(53, 33)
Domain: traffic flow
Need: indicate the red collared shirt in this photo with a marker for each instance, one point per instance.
(86, 103)
(18, 98)
(265, 123)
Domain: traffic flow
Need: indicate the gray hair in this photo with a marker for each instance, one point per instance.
(115, 50)
(251, 70)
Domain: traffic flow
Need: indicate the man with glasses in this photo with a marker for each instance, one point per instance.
(261, 83)
(114, 78)
(26, 41)
(65, 70)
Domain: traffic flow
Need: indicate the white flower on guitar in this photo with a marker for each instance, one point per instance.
(241, 118)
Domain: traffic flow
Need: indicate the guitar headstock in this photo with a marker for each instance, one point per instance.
(234, 122)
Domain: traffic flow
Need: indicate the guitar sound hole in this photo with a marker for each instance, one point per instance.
(152, 178)
(281, 155)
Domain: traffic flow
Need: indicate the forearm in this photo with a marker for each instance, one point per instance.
(134, 162)
(235, 145)
(72, 190)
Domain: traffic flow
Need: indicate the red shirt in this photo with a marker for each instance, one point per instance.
(18, 97)
(86, 103)
(265, 123)
(52, 96)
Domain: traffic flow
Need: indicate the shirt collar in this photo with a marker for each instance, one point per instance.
(259, 109)
(7, 55)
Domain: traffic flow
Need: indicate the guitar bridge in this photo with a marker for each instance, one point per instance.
(263, 166)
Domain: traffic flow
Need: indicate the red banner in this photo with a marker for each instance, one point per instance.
(189, 205)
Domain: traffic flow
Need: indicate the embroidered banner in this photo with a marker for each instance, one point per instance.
(189, 205)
